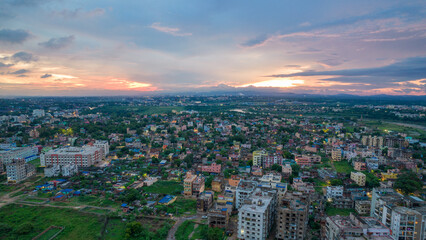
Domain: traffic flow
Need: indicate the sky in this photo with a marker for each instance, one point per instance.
(137, 47)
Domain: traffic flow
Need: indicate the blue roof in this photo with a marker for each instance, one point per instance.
(224, 209)
(166, 199)
(124, 205)
(61, 180)
(67, 190)
(59, 196)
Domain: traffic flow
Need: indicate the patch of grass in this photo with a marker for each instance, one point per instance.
(199, 232)
(165, 187)
(184, 230)
(27, 222)
(331, 211)
(115, 229)
(37, 200)
(47, 235)
(343, 167)
(35, 162)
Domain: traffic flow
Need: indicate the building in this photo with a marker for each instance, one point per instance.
(218, 218)
(38, 113)
(8, 153)
(382, 202)
(198, 185)
(408, 224)
(244, 189)
(257, 215)
(354, 227)
(362, 207)
(286, 169)
(258, 157)
(205, 201)
(18, 170)
(301, 186)
(334, 192)
(217, 184)
(167, 200)
(358, 178)
(307, 160)
(270, 179)
(81, 156)
(292, 216)
(336, 154)
(213, 168)
(187, 183)
(103, 145)
(360, 166)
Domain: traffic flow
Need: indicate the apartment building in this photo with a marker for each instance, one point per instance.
(205, 201)
(408, 224)
(307, 160)
(218, 218)
(362, 207)
(18, 170)
(359, 178)
(213, 168)
(336, 154)
(354, 227)
(193, 184)
(103, 145)
(270, 179)
(257, 215)
(85, 156)
(8, 153)
(292, 216)
(244, 189)
(334, 192)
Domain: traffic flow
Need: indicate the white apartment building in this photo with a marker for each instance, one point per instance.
(408, 224)
(7, 154)
(244, 189)
(256, 216)
(38, 113)
(81, 156)
(18, 170)
(271, 179)
(103, 145)
(359, 178)
(334, 192)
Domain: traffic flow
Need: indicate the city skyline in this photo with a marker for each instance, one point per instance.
(93, 48)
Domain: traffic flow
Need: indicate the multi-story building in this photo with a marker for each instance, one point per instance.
(8, 153)
(103, 145)
(257, 215)
(292, 216)
(286, 169)
(358, 178)
(18, 170)
(336, 154)
(85, 156)
(65, 170)
(360, 166)
(307, 160)
(258, 157)
(334, 192)
(193, 184)
(271, 179)
(218, 218)
(213, 168)
(354, 227)
(205, 201)
(38, 113)
(362, 207)
(408, 224)
(244, 190)
(374, 141)
(187, 183)
(217, 184)
(301, 186)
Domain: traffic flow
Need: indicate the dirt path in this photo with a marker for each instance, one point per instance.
(178, 222)
(6, 199)
(195, 227)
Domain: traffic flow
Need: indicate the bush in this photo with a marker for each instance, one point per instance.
(24, 228)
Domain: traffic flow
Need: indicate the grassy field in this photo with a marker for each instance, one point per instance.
(116, 229)
(386, 127)
(184, 230)
(343, 167)
(331, 211)
(165, 187)
(35, 162)
(26, 222)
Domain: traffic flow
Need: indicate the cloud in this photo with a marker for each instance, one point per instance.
(47, 75)
(330, 62)
(58, 43)
(19, 72)
(169, 30)
(4, 65)
(23, 57)
(14, 36)
(406, 70)
(255, 42)
(80, 13)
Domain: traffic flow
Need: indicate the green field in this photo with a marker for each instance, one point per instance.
(184, 230)
(26, 222)
(331, 211)
(385, 127)
(165, 187)
(343, 167)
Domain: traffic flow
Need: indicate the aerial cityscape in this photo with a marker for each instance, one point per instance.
(212, 120)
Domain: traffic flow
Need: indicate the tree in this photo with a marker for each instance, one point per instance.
(134, 229)
(214, 234)
(408, 183)
(276, 168)
(336, 182)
